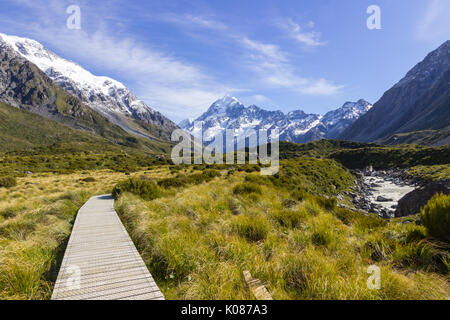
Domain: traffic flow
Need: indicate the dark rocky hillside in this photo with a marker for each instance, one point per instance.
(420, 101)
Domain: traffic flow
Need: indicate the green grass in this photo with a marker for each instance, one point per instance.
(198, 240)
(146, 189)
(36, 218)
(403, 156)
(424, 137)
(431, 173)
(247, 188)
(197, 235)
(25, 133)
(313, 176)
(321, 148)
(65, 163)
(32, 241)
(436, 217)
(7, 182)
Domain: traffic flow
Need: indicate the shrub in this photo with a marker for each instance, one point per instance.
(327, 203)
(182, 180)
(258, 179)
(247, 188)
(8, 213)
(289, 218)
(378, 248)
(177, 182)
(147, 190)
(210, 174)
(299, 195)
(7, 182)
(359, 219)
(253, 229)
(436, 217)
(422, 255)
(414, 235)
(321, 238)
(253, 168)
(249, 168)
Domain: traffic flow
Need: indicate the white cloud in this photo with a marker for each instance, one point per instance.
(164, 80)
(276, 71)
(204, 22)
(190, 21)
(268, 50)
(186, 103)
(174, 87)
(271, 65)
(310, 38)
(258, 98)
(171, 85)
(435, 24)
(321, 87)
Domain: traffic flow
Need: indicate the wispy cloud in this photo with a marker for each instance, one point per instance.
(193, 21)
(270, 63)
(435, 24)
(268, 50)
(275, 70)
(321, 87)
(309, 38)
(163, 80)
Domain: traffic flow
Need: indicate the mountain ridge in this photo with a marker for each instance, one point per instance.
(105, 95)
(24, 86)
(419, 101)
(295, 126)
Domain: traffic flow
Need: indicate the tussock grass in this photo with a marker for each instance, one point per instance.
(436, 217)
(247, 188)
(431, 173)
(36, 219)
(198, 235)
(198, 240)
(7, 182)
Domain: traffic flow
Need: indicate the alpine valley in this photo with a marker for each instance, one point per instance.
(360, 186)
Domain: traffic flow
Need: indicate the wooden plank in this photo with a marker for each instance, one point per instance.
(256, 286)
(101, 262)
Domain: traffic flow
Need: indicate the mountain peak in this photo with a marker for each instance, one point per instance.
(431, 67)
(296, 126)
(105, 95)
(226, 101)
(361, 104)
(222, 105)
(417, 102)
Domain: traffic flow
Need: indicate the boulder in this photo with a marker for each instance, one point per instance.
(383, 199)
(414, 201)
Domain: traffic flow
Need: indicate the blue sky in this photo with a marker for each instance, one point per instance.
(180, 56)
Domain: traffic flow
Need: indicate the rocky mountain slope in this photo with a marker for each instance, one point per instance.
(296, 126)
(418, 102)
(105, 95)
(24, 85)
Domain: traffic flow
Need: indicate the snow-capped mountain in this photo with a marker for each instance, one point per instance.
(105, 95)
(296, 126)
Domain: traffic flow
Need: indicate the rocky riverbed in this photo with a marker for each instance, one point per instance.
(378, 192)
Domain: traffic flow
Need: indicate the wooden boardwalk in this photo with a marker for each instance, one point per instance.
(101, 262)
